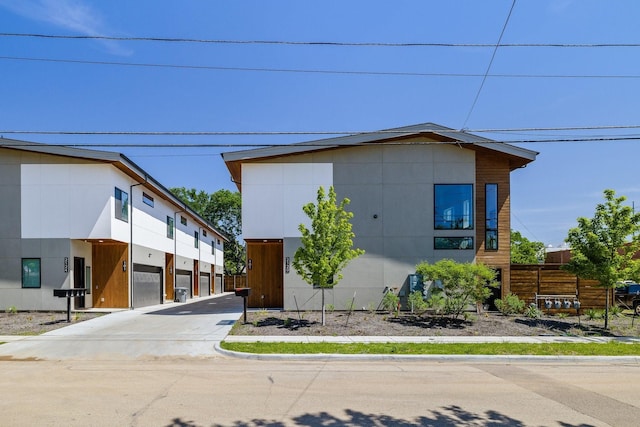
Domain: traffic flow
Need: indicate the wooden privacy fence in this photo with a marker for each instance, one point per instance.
(232, 282)
(529, 280)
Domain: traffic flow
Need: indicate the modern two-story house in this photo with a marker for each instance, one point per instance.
(76, 218)
(418, 193)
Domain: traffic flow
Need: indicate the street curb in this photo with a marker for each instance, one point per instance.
(465, 358)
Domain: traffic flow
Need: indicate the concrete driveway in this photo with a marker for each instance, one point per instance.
(188, 329)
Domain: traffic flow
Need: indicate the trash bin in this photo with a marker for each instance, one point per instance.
(181, 295)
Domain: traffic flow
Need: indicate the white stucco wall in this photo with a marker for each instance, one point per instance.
(273, 195)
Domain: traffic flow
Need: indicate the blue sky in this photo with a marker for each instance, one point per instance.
(600, 86)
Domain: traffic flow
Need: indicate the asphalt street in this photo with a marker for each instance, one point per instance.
(159, 367)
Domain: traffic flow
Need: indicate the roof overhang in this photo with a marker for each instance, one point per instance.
(435, 134)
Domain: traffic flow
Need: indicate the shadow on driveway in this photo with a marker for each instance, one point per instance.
(219, 305)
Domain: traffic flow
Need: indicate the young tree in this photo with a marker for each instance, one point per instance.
(463, 283)
(328, 246)
(524, 251)
(223, 209)
(602, 247)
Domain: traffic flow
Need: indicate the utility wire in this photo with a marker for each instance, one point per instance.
(312, 71)
(316, 43)
(318, 144)
(493, 55)
(332, 132)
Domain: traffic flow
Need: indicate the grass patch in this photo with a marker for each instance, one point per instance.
(542, 349)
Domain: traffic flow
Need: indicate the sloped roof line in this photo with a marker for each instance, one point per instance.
(362, 138)
(108, 157)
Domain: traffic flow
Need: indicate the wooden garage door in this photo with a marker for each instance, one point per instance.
(265, 273)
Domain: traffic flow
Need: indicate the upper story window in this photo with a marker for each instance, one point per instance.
(183, 220)
(204, 233)
(453, 206)
(147, 199)
(122, 205)
(491, 213)
(196, 239)
(170, 227)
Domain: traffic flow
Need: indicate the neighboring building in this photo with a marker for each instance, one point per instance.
(422, 192)
(75, 218)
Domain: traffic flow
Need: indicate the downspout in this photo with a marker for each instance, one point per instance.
(200, 261)
(175, 250)
(130, 254)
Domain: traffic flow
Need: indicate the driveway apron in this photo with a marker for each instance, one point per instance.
(188, 329)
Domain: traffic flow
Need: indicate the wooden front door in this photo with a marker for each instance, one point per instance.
(265, 273)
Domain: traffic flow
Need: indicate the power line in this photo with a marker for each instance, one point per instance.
(493, 55)
(331, 132)
(310, 144)
(315, 71)
(318, 43)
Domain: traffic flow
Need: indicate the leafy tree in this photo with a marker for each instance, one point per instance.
(328, 246)
(463, 283)
(223, 209)
(602, 247)
(524, 251)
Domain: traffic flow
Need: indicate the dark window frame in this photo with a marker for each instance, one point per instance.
(147, 199)
(458, 221)
(491, 239)
(453, 243)
(25, 270)
(121, 205)
(170, 227)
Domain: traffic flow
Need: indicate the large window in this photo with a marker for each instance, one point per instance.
(453, 206)
(453, 243)
(491, 231)
(122, 205)
(31, 272)
(170, 227)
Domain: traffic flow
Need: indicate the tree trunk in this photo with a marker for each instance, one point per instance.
(606, 310)
(323, 307)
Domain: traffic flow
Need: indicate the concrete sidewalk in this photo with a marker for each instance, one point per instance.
(195, 329)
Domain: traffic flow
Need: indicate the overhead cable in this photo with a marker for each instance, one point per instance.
(316, 71)
(316, 43)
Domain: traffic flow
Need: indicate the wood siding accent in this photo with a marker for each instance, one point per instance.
(169, 286)
(233, 282)
(110, 283)
(493, 168)
(196, 278)
(549, 279)
(265, 274)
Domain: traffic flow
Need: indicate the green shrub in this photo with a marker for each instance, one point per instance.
(417, 302)
(12, 310)
(510, 305)
(391, 302)
(436, 301)
(593, 314)
(615, 311)
(464, 284)
(533, 312)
